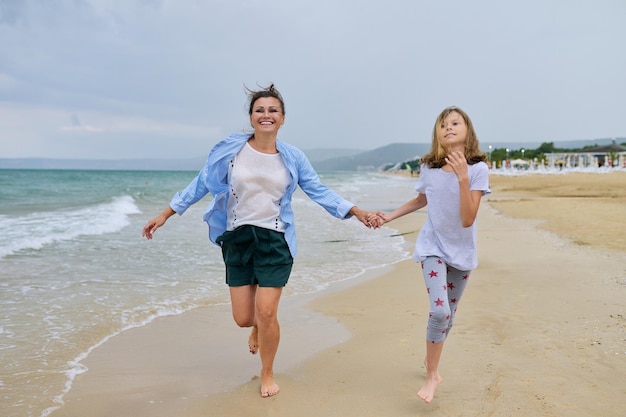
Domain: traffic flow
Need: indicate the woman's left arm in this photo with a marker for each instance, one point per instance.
(363, 216)
(333, 203)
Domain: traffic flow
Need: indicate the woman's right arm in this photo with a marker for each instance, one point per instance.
(181, 201)
(157, 222)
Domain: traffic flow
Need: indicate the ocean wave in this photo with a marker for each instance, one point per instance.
(35, 230)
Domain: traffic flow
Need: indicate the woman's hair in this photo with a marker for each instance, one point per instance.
(270, 91)
(438, 152)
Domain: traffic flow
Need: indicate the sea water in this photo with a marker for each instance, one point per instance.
(75, 271)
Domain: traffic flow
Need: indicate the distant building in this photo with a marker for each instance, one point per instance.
(612, 155)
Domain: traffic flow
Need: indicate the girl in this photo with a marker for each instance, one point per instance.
(453, 178)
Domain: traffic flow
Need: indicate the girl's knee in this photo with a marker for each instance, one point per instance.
(440, 317)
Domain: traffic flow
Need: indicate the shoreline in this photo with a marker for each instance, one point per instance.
(554, 348)
(129, 367)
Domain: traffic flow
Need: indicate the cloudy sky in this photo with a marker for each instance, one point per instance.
(165, 78)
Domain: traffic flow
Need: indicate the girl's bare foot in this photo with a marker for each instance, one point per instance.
(427, 392)
(253, 340)
(268, 387)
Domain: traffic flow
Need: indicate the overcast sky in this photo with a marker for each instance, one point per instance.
(165, 78)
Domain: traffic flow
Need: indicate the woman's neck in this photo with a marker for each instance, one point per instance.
(263, 143)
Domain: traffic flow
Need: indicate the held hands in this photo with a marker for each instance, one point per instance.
(368, 218)
(377, 219)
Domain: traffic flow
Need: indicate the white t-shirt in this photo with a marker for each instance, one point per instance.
(443, 235)
(258, 182)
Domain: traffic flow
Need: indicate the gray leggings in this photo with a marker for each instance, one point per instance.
(445, 286)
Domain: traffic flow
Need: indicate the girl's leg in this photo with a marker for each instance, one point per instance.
(457, 281)
(433, 379)
(445, 287)
(435, 278)
(267, 299)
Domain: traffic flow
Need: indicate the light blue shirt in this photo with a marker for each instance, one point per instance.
(213, 178)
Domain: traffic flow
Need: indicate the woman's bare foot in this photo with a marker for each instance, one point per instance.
(427, 392)
(253, 340)
(268, 387)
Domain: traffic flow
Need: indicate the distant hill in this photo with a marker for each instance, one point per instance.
(323, 154)
(373, 160)
(339, 159)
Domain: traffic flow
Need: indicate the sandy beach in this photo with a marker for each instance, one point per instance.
(541, 330)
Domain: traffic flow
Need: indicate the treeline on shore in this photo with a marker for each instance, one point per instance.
(503, 154)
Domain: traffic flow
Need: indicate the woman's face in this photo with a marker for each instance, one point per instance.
(453, 131)
(267, 115)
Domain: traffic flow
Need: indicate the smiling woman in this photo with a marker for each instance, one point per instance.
(252, 178)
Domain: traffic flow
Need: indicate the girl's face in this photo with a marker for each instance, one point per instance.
(267, 115)
(453, 132)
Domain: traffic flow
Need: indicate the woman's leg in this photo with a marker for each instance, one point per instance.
(242, 300)
(257, 307)
(267, 299)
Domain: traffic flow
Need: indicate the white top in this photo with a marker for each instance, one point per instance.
(443, 235)
(258, 181)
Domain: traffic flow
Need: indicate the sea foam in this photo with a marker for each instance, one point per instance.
(36, 230)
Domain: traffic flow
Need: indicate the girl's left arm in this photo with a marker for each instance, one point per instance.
(469, 200)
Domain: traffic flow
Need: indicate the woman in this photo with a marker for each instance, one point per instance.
(252, 178)
(453, 179)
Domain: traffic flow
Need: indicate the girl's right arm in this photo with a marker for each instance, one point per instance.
(410, 206)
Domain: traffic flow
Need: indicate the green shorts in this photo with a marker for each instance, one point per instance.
(256, 256)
